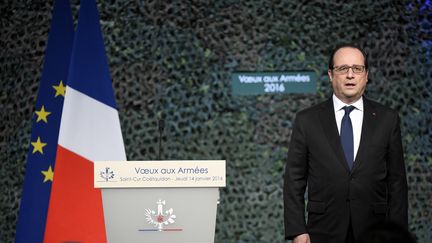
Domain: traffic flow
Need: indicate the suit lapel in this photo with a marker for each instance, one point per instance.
(328, 122)
(368, 129)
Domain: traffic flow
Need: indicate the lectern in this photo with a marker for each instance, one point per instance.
(160, 201)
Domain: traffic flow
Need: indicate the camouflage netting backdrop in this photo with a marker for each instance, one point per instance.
(173, 60)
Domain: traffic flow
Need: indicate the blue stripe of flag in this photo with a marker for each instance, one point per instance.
(89, 71)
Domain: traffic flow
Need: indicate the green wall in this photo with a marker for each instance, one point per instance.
(172, 60)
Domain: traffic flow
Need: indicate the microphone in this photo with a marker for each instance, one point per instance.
(161, 125)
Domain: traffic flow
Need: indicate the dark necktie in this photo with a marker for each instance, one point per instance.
(347, 137)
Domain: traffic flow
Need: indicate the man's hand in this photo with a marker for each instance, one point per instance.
(303, 238)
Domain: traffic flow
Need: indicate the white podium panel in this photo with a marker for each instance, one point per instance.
(182, 209)
(131, 215)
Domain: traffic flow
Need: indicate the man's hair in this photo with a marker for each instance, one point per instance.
(349, 45)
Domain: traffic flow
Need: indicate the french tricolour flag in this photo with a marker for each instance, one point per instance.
(89, 131)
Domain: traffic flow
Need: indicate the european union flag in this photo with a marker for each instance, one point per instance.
(46, 121)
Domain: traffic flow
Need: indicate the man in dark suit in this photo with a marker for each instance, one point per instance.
(348, 152)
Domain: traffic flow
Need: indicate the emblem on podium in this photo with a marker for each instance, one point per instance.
(160, 218)
(107, 174)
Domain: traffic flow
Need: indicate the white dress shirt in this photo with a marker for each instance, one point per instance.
(356, 117)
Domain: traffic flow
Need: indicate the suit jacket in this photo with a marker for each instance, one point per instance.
(375, 189)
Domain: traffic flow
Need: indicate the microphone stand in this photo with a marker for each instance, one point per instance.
(161, 125)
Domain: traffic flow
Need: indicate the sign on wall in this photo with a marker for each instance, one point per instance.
(256, 83)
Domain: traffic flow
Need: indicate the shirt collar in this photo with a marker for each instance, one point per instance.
(338, 104)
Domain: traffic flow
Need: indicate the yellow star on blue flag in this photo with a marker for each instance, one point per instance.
(42, 115)
(48, 174)
(38, 146)
(60, 89)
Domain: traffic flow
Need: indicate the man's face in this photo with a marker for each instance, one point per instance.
(348, 86)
